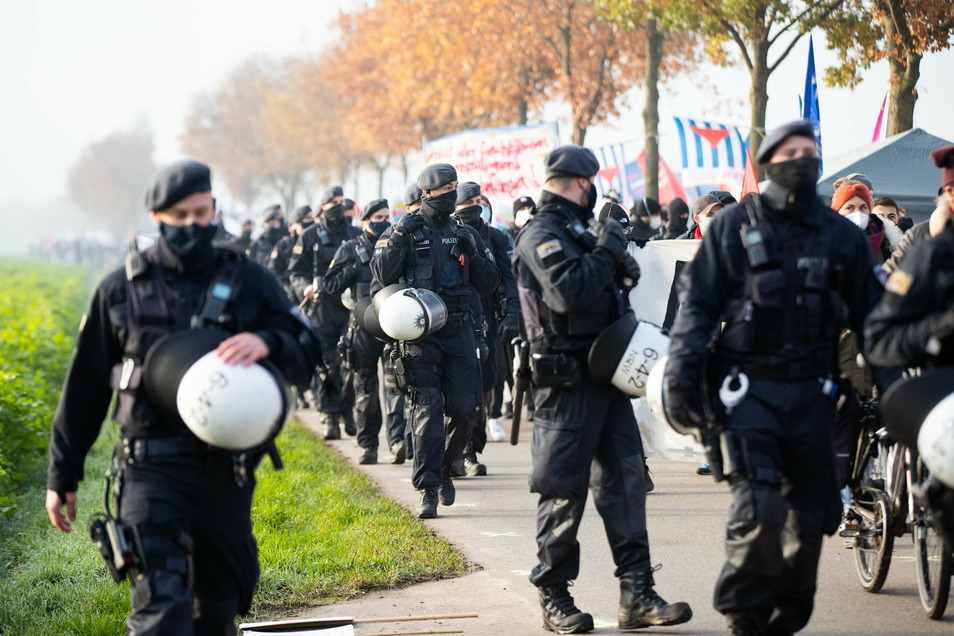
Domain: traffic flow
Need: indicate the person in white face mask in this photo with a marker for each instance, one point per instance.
(852, 200)
(703, 211)
(644, 219)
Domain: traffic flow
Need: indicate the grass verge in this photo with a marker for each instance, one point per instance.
(324, 534)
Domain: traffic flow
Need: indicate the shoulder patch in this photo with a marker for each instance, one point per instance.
(381, 243)
(550, 253)
(298, 249)
(899, 283)
(274, 254)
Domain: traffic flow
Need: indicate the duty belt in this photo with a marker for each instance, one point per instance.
(141, 448)
(782, 370)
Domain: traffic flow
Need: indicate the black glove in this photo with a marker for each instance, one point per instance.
(409, 224)
(682, 401)
(611, 239)
(510, 327)
(629, 268)
(483, 351)
(465, 241)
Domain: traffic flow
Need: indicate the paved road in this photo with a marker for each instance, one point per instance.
(493, 522)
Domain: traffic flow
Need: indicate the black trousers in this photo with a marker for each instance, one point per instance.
(582, 437)
(174, 501)
(786, 499)
(394, 406)
(331, 322)
(363, 379)
(447, 383)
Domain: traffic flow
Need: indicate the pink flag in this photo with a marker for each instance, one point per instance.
(881, 126)
(749, 182)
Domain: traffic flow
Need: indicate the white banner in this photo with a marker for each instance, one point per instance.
(506, 162)
(654, 300)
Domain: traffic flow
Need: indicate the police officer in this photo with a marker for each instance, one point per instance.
(501, 312)
(273, 223)
(431, 250)
(584, 433)
(350, 271)
(244, 239)
(399, 436)
(183, 502)
(780, 273)
(301, 219)
(311, 256)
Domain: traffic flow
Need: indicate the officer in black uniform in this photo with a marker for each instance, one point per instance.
(501, 312)
(430, 250)
(311, 256)
(273, 223)
(351, 271)
(781, 273)
(398, 434)
(244, 239)
(583, 433)
(301, 219)
(187, 505)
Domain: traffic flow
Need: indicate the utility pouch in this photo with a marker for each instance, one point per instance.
(555, 370)
(402, 373)
(116, 544)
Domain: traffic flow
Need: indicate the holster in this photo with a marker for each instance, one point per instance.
(555, 370)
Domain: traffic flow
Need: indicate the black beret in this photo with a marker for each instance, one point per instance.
(570, 161)
(412, 195)
(523, 202)
(725, 198)
(300, 213)
(436, 175)
(374, 206)
(271, 213)
(467, 190)
(348, 204)
(331, 193)
(797, 128)
(175, 182)
(647, 206)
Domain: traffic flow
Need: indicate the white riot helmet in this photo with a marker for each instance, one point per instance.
(625, 353)
(936, 441)
(233, 407)
(654, 390)
(412, 314)
(347, 299)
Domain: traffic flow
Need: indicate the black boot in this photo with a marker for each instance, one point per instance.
(472, 467)
(332, 431)
(446, 492)
(427, 509)
(398, 452)
(743, 624)
(349, 425)
(369, 456)
(650, 486)
(640, 606)
(560, 615)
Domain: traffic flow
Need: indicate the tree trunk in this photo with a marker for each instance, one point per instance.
(905, 66)
(523, 107)
(579, 134)
(759, 99)
(654, 55)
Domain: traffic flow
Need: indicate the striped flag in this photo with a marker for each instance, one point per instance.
(612, 174)
(713, 155)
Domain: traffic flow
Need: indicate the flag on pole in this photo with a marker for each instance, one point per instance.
(750, 182)
(881, 126)
(810, 110)
(713, 155)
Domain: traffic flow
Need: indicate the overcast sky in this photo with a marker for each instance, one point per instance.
(74, 72)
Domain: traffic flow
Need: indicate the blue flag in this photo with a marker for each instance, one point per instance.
(810, 110)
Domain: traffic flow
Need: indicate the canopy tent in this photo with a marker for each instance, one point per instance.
(899, 167)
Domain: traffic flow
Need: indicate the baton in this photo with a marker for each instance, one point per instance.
(521, 380)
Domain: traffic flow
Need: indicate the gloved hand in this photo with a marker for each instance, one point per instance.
(629, 268)
(682, 401)
(409, 224)
(510, 327)
(465, 241)
(611, 239)
(483, 351)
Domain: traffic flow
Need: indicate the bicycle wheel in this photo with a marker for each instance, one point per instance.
(875, 540)
(932, 559)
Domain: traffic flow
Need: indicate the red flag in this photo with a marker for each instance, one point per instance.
(669, 186)
(749, 182)
(609, 173)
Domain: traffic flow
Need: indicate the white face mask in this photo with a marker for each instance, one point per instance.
(655, 222)
(485, 213)
(523, 215)
(704, 223)
(858, 218)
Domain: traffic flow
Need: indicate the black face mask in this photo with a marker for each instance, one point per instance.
(305, 225)
(335, 213)
(273, 234)
(591, 198)
(441, 206)
(376, 228)
(191, 243)
(469, 215)
(798, 175)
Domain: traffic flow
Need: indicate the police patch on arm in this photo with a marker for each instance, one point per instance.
(550, 253)
(298, 249)
(899, 283)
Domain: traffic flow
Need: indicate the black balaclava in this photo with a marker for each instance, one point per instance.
(470, 215)
(190, 245)
(791, 184)
(335, 214)
(439, 207)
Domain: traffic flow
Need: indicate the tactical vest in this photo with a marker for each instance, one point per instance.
(435, 265)
(792, 305)
(149, 317)
(362, 248)
(327, 242)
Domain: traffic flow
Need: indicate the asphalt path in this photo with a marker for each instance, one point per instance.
(493, 523)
